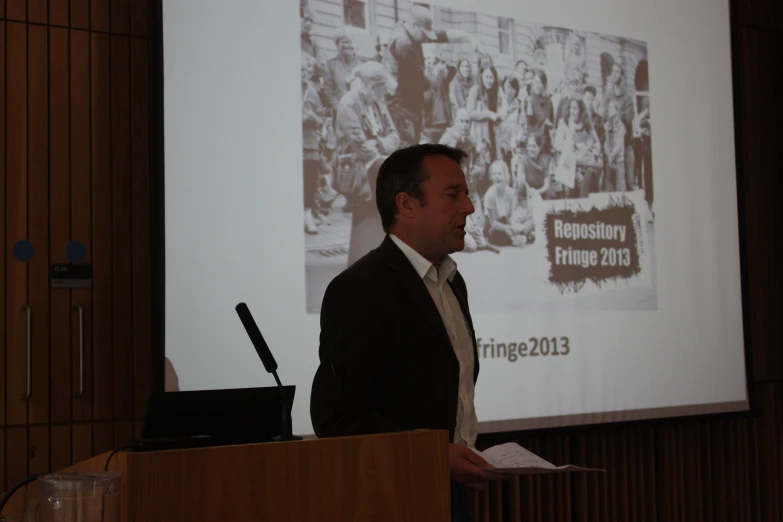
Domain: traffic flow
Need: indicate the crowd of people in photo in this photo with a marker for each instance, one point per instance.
(525, 139)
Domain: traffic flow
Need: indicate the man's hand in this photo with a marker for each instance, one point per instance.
(467, 466)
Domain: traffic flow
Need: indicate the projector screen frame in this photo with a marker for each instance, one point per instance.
(158, 252)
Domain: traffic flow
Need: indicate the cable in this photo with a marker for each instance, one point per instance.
(151, 444)
(22, 483)
(113, 453)
(19, 485)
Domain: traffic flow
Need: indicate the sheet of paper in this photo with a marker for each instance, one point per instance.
(513, 459)
(512, 455)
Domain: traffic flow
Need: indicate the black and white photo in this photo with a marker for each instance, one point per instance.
(554, 120)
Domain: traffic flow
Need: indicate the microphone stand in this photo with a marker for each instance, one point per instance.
(285, 416)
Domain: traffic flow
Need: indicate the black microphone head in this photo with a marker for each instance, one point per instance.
(256, 338)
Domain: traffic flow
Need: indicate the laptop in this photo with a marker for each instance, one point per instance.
(185, 419)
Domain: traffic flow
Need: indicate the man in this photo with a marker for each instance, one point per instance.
(397, 347)
(572, 91)
(339, 70)
(458, 137)
(308, 44)
(405, 59)
(616, 91)
(597, 121)
(477, 157)
(438, 113)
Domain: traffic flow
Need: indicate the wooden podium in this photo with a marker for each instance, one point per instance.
(387, 477)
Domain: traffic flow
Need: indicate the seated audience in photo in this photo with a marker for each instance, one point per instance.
(507, 225)
(483, 105)
(532, 168)
(513, 119)
(476, 227)
(539, 109)
(458, 136)
(460, 85)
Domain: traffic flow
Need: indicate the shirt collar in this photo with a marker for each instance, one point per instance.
(425, 268)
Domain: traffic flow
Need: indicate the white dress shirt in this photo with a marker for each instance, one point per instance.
(435, 279)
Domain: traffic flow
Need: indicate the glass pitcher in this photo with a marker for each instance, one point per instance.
(76, 497)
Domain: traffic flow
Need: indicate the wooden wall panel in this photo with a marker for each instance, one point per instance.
(81, 442)
(764, 14)
(37, 11)
(61, 447)
(120, 16)
(81, 298)
(140, 18)
(16, 10)
(99, 11)
(122, 270)
(58, 13)
(102, 437)
(103, 367)
(123, 434)
(15, 454)
(769, 453)
(4, 252)
(39, 450)
(762, 110)
(79, 14)
(60, 220)
(16, 336)
(38, 215)
(141, 226)
(3, 487)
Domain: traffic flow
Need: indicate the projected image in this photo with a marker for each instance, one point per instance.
(556, 124)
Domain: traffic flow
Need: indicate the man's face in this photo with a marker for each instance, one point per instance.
(463, 122)
(377, 91)
(532, 148)
(617, 74)
(306, 68)
(306, 24)
(538, 84)
(419, 32)
(441, 221)
(588, 100)
(347, 48)
(574, 89)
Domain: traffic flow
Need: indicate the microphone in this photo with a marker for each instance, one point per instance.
(270, 365)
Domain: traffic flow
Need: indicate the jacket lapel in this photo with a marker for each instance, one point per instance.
(463, 304)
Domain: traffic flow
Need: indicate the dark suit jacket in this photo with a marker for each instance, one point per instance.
(387, 363)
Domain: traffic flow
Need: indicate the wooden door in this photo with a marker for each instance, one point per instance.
(75, 362)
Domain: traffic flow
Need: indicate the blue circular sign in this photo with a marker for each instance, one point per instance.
(24, 250)
(75, 251)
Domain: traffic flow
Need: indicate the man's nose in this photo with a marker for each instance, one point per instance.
(469, 208)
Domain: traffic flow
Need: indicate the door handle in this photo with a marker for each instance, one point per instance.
(29, 391)
(80, 309)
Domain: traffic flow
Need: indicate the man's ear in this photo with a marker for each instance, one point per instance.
(406, 205)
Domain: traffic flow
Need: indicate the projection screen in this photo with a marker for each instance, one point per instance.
(603, 261)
